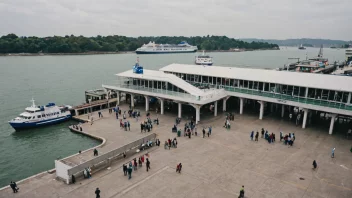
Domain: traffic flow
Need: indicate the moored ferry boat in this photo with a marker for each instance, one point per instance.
(36, 116)
(153, 48)
(204, 60)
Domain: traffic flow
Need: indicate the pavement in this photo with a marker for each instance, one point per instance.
(212, 167)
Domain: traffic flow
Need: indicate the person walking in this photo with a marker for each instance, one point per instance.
(333, 153)
(97, 193)
(124, 168)
(241, 193)
(252, 135)
(95, 152)
(262, 132)
(314, 164)
(256, 136)
(210, 128)
(129, 125)
(178, 168)
(148, 164)
(203, 132)
(12, 185)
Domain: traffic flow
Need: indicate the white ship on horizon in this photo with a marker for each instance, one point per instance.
(153, 48)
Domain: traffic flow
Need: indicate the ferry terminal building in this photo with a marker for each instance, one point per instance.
(198, 86)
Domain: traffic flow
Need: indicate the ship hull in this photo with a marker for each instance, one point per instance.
(208, 64)
(27, 125)
(172, 52)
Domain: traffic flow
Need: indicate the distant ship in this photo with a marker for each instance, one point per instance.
(36, 116)
(349, 55)
(204, 60)
(301, 47)
(153, 48)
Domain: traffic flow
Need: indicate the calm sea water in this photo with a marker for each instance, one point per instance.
(63, 80)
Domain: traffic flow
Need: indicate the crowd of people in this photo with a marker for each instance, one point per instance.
(288, 139)
(133, 165)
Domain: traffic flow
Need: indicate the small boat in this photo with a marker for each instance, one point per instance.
(301, 47)
(204, 60)
(36, 116)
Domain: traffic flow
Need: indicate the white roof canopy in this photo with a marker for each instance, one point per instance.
(319, 81)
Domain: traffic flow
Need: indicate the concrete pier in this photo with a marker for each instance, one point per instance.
(212, 167)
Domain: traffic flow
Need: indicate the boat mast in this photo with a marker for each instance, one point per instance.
(33, 104)
(321, 52)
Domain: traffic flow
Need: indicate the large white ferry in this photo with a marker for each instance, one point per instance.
(35, 116)
(153, 48)
(204, 59)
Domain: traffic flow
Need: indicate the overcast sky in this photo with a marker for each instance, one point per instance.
(269, 19)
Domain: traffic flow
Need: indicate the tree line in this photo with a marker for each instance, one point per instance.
(12, 43)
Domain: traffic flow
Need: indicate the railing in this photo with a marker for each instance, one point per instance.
(209, 94)
(324, 103)
(106, 158)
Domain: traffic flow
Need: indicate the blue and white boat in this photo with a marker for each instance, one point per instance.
(36, 116)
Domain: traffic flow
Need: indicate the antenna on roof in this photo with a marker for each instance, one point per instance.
(33, 104)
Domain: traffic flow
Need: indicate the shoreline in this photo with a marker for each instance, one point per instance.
(53, 170)
(122, 52)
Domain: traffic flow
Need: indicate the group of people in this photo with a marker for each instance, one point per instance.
(170, 143)
(256, 135)
(288, 138)
(147, 125)
(127, 168)
(87, 173)
(209, 131)
(125, 124)
(189, 128)
(230, 116)
(14, 187)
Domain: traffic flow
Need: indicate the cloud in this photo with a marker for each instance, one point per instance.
(234, 18)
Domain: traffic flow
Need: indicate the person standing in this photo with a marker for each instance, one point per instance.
(129, 172)
(210, 128)
(256, 136)
(252, 135)
(148, 164)
(281, 136)
(124, 168)
(203, 132)
(140, 162)
(129, 125)
(262, 132)
(333, 153)
(314, 164)
(135, 164)
(95, 152)
(97, 193)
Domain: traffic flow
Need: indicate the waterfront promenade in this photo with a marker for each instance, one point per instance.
(212, 167)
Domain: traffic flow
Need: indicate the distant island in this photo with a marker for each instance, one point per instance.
(307, 42)
(12, 43)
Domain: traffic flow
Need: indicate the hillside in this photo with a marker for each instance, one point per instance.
(304, 41)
